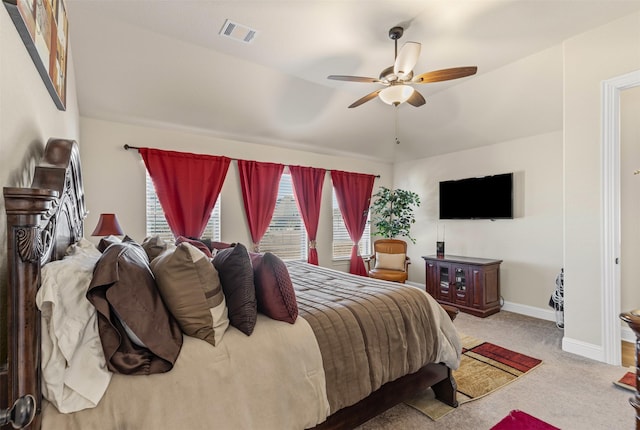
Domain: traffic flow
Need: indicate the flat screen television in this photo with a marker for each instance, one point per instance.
(488, 197)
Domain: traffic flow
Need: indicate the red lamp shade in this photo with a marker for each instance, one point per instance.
(107, 225)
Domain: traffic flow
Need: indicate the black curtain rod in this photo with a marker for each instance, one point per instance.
(127, 147)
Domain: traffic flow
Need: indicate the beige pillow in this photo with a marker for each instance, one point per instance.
(390, 261)
(191, 289)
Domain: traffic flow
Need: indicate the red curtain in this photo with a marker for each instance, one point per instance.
(353, 192)
(260, 182)
(307, 185)
(187, 185)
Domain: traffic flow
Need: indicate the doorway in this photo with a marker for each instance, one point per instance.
(629, 209)
(611, 213)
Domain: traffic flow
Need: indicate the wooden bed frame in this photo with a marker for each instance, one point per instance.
(41, 222)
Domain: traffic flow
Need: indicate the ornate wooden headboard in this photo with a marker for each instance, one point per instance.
(41, 222)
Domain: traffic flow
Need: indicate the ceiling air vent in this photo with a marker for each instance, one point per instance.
(237, 31)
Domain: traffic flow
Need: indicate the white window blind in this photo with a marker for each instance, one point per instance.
(341, 241)
(286, 236)
(157, 223)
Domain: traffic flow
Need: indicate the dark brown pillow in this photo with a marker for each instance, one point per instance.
(139, 335)
(274, 290)
(198, 244)
(236, 275)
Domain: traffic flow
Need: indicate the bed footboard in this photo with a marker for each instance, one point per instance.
(436, 376)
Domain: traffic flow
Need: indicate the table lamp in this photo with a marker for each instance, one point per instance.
(108, 226)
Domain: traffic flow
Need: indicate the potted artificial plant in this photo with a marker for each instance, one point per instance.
(393, 212)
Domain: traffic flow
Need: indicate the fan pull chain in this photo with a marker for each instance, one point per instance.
(396, 126)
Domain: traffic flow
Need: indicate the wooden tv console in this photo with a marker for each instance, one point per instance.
(470, 284)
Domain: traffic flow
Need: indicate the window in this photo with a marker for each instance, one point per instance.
(157, 223)
(341, 241)
(286, 236)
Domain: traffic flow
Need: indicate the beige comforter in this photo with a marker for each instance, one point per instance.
(371, 332)
(355, 334)
(270, 380)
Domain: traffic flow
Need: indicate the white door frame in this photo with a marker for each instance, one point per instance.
(610, 120)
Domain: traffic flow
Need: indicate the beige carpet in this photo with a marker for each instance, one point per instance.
(484, 368)
(567, 391)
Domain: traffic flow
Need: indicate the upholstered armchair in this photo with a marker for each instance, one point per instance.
(389, 261)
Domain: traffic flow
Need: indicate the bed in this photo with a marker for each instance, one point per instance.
(247, 390)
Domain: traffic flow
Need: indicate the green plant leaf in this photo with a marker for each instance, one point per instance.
(393, 212)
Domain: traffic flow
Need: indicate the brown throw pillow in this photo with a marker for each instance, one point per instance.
(274, 290)
(154, 246)
(236, 275)
(191, 289)
(139, 335)
(106, 241)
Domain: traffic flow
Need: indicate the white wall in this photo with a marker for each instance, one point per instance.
(530, 245)
(28, 118)
(603, 53)
(115, 178)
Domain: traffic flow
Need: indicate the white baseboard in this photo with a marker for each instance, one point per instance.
(569, 345)
(584, 349)
(531, 311)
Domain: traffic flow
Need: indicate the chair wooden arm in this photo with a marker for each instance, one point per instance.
(368, 261)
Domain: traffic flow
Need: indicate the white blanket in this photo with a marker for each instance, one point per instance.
(273, 379)
(74, 373)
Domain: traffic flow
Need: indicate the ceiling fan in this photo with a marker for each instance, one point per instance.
(398, 79)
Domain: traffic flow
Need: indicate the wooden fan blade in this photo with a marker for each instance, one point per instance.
(445, 74)
(364, 99)
(416, 99)
(352, 78)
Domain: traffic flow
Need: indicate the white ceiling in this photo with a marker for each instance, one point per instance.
(163, 63)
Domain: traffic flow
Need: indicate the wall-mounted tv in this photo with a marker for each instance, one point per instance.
(488, 197)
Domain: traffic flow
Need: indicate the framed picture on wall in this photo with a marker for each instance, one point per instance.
(43, 27)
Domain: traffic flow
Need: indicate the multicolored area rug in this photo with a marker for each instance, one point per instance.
(518, 420)
(628, 381)
(484, 368)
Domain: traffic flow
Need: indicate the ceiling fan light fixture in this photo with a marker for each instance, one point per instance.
(397, 79)
(396, 94)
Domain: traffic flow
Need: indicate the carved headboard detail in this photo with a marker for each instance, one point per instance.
(42, 221)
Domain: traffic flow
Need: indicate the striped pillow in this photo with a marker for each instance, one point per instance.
(190, 287)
